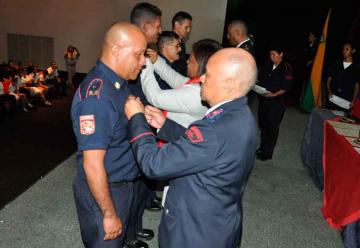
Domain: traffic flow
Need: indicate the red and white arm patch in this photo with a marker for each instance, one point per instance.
(87, 124)
(194, 134)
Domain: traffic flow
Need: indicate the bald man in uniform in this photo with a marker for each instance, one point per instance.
(208, 165)
(106, 167)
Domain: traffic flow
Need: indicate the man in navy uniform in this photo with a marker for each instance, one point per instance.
(148, 18)
(209, 164)
(238, 36)
(181, 25)
(103, 187)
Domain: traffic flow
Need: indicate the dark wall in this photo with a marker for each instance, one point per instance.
(291, 21)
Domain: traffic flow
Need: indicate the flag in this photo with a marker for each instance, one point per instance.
(312, 97)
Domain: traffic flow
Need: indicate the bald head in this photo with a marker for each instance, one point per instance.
(123, 50)
(121, 34)
(230, 73)
(237, 64)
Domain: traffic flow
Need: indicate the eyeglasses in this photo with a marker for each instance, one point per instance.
(177, 46)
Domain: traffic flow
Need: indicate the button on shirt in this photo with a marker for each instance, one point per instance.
(99, 122)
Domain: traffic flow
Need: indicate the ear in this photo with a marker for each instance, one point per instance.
(144, 27)
(353, 51)
(115, 50)
(177, 25)
(228, 85)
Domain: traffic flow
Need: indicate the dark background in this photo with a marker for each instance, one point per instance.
(291, 21)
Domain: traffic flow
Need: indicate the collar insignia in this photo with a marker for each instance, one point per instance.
(214, 115)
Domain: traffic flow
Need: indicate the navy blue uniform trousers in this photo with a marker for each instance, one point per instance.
(91, 218)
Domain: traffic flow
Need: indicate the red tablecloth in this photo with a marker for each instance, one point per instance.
(341, 165)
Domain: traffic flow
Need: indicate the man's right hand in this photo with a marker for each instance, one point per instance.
(154, 116)
(112, 227)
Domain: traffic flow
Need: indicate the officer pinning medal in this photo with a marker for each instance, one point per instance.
(208, 163)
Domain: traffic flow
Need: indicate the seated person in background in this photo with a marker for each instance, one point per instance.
(183, 101)
(39, 79)
(7, 102)
(169, 49)
(25, 84)
(54, 79)
(344, 78)
(9, 88)
(13, 67)
(30, 67)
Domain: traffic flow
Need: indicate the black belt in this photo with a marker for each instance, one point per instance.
(119, 184)
(124, 182)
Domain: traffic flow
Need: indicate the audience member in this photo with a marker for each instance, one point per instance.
(10, 88)
(54, 79)
(25, 84)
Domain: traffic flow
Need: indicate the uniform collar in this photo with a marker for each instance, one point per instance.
(115, 79)
(239, 45)
(241, 101)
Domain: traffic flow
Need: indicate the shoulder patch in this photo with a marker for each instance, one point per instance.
(87, 124)
(215, 115)
(94, 88)
(194, 134)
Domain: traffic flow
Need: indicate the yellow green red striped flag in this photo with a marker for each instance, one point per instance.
(312, 96)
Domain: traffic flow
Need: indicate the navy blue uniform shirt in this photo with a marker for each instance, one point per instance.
(99, 122)
(276, 79)
(343, 80)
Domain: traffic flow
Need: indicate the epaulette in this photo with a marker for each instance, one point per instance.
(215, 115)
(93, 88)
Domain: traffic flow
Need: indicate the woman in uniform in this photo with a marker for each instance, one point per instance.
(276, 77)
(344, 78)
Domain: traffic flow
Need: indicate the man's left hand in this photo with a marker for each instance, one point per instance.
(133, 106)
